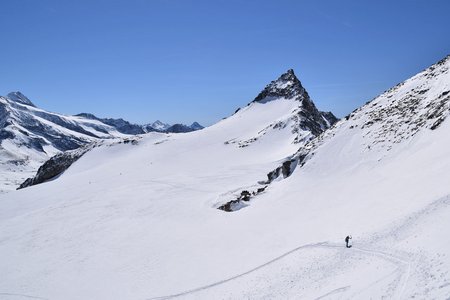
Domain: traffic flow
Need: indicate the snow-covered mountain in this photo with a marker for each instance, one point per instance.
(120, 125)
(179, 128)
(293, 117)
(159, 126)
(196, 126)
(381, 174)
(294, 113)
(139, 220)
(29, 136)
(387, 124)
(306, 116)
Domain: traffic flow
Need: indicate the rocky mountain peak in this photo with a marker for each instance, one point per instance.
(287, 86)
(19, 98)
(87, 116)
(158, 125)
(196, 126)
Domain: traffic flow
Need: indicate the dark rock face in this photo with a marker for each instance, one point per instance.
(196, 126)
(179, 128)
(307, 117)
(328, 115)
(286, 169)
(63, 123)
(286, 86)
(54, 167)
(238, 203)
(121, 125)
(124, 126)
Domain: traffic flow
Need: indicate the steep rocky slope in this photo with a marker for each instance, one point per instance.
(419, 104)
(300, 119)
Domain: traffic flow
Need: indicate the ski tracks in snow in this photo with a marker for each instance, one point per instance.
(205, 287)
(402, 263)
(17, 296)
(404, 267)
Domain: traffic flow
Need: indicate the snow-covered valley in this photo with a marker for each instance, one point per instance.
(141, 220)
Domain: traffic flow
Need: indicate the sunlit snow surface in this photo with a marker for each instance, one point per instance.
(20, 157)
(140, 221)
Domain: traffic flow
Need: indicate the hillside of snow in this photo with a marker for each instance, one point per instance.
(29, 136)
(140, 220)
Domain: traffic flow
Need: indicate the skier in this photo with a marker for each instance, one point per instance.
(348, 241)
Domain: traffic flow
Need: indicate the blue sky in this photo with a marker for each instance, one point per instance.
(185, 61)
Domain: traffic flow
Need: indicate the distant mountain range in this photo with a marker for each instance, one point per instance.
(30, 135)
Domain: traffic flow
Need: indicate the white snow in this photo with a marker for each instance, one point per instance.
(140, 221)
(18, 160)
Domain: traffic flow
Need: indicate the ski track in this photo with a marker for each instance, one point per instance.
(334, 292)
(234, 277)
(401, 263)
(22, 295)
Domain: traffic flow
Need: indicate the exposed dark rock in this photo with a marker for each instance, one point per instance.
(121, 125)
(286, 169)
(6, 134)
(238, 203)
(54, 167)
(286, 86)
(179, 128)
(328, 115)
(196, 126)
(307, 117)
(245, 196)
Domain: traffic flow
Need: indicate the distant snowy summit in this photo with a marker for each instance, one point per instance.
(19, 98)
(158, 125)
(30, 135)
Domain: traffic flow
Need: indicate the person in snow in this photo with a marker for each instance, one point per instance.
(348, 241)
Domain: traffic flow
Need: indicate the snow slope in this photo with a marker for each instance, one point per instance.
(140, 221)
(29, 136)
